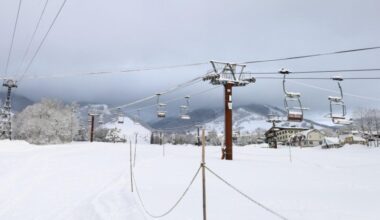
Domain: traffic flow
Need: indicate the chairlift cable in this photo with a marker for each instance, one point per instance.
(179, 86)
(13, 38)
(176, 99)
(43, 40)
(314, 55)
(320, 78)
(33, 36)
(318, 71)
(330, 90)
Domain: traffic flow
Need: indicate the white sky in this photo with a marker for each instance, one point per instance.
(96, 35)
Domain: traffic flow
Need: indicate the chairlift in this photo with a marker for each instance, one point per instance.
(292, 101)
(120, 116)
(101, 120)
(161, 113)
(137, 117)
(184, 109)
(337, 106)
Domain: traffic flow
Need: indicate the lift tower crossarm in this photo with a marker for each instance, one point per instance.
(228, 75)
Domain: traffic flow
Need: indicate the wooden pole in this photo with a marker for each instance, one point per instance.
(163, 144)
(130, 163)
(203, 175)
(92, 128)
(134, 153)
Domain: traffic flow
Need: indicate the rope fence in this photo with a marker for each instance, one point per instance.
(246, 196)
(173, 206)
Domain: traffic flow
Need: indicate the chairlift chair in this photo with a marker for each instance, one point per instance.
(161, 113)
(101, 120)
(120, 116)
(292, 101)
(337, 106)
(184, 109)
(137, 117)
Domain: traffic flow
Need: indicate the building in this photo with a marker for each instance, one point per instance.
(331, 142)
(308, 138)
(281, 135)
(352, 139)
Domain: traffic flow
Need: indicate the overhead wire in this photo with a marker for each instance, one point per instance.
(176, 99)
(319, 78)
(330, 90)
(13, 37)
(248, 62)
(313, 55)
(179, 86)
(43, 41)
(33, 36)
(133, 70)
(317, 71)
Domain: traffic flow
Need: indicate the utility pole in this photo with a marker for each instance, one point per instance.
(229, 75)
(203, 165)
(6, 116)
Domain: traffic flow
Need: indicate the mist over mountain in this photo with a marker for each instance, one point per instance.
(19, 102)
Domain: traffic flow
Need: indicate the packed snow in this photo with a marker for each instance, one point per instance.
(92, 181)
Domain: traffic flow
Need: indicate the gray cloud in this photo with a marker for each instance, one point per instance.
(96, 35)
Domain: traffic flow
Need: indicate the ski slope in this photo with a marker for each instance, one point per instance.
(92, 181)
(129, 129)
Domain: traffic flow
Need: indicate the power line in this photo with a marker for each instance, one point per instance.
(179, 86)
(319, 71)
(176, 99)
(33, 35)
(97, 73)
(319, 78)
(330, 90)
(314, 55)
(144, 69)
(43, 39)
(164, 67)
(13, 37)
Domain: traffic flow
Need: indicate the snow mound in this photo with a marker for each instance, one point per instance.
(129, 129)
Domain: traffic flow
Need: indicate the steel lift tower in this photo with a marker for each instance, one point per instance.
(229, 75)
(6, 113)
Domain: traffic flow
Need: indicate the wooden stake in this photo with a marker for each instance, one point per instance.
(134, 153)
(203, 174)
(130, 163)
(92, 128)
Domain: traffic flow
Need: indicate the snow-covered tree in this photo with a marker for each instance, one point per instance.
(114, 135)
(47, 122)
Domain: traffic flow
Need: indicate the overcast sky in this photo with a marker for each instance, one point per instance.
(98, 35)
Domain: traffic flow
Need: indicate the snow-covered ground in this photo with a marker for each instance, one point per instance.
(92, 181)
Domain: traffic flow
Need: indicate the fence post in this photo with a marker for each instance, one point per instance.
(130, 163)
(203, 174)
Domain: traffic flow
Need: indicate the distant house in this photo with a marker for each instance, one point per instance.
(281, 135)
(331, 142)
(352, 139)
(308, 138)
